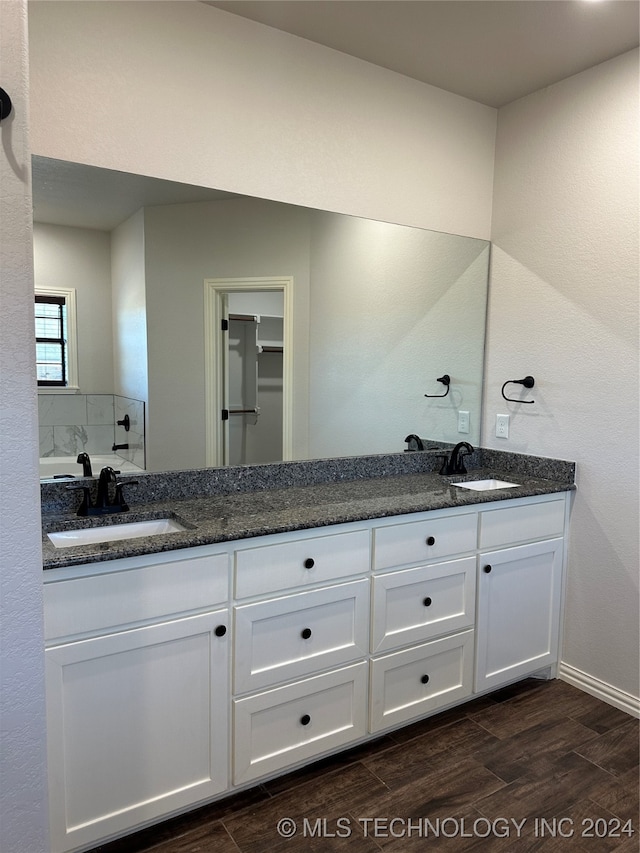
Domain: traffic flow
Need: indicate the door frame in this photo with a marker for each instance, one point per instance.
(214, 291)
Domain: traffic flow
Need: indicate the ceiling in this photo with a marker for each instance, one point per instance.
(492, 51)
(88, 197)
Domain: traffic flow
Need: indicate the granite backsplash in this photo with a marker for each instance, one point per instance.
(208, 482)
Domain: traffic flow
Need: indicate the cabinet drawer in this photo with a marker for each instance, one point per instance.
(299, 634)
(98, 602)
(414, 605)
(431, 539)
(419, 680)
(295, 723)
(300, 562)
(512, 525)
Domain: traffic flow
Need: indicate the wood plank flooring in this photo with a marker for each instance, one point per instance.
(535, 766)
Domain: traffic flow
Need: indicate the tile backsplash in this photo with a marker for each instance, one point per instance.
(73, 423)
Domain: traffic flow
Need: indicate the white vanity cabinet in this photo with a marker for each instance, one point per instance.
(519, 590)
(137, 692)
(176, 678)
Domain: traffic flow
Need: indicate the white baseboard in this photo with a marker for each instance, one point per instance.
(600, 689)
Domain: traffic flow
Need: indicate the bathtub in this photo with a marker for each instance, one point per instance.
(58, 466)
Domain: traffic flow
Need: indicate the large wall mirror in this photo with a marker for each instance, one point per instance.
(375, 316)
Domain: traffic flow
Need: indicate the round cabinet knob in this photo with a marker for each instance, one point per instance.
(305, 719)
(305, 633)
(486, 569)
(221, 630)
(431, 540)
(427, 602)
(425, 679)
(309, 563)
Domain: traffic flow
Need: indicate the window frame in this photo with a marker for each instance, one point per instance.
(69, 296)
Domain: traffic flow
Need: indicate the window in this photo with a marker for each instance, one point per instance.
(55, 328)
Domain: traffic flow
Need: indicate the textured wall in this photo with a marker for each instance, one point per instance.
(184, 91)
(564, 307)
(23, 801)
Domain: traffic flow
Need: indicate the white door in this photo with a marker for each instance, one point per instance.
(248, 374)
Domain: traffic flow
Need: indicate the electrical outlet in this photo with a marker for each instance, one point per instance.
(502, 426)
(463, 422)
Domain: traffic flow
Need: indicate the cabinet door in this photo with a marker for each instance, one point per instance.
(137, 726)
(518, 612)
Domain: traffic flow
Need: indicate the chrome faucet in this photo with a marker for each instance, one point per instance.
(83, 459)
(455, 463)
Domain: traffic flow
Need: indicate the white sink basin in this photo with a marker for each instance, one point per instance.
(113, 532)
(485, 485)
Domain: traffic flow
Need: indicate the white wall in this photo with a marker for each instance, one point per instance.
(392, 309)
(184, 245)
(23, 793)
(129, 309)
(564, 308)
(379, 312)
(80, 258)
(183, 91)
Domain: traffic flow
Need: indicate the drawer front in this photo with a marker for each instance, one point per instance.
(95, 603)
(414, 605)
(300, 562)
(512, 525)
(297, 635)
(418, 541)
(281, 727)
(416, 681)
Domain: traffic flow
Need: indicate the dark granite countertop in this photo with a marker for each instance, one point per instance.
(214, 518)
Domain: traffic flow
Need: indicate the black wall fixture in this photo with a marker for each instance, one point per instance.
(5, 104)
(528, 382)
(446, 379)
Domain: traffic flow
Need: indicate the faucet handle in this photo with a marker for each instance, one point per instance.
(445, 460)
(119, 500)
(86, 504)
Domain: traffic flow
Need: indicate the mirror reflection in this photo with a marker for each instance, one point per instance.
(375, 314)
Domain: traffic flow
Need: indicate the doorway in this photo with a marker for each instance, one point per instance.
(248, 370)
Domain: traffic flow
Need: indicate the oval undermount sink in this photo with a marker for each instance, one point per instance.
(485, 485)
(114, 532)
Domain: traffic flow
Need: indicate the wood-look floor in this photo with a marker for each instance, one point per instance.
(535, 766)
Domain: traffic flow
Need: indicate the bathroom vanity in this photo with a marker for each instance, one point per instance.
(282, 626)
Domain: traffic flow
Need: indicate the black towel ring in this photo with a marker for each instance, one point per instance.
(5, 104)
(446, 379)
(528, 382)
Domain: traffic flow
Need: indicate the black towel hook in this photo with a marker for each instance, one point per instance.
(5, 104)
(445, 379)
(528, 382)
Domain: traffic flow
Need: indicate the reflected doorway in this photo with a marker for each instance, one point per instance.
(248, 370)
